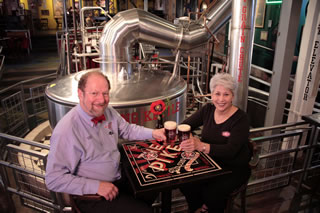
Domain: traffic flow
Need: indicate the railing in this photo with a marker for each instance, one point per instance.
(2, 57)
(22, 110)
(23, 173)
(288, 153)
(285, 156)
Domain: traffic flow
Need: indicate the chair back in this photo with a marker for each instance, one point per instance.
(254, 161)
(23, 174)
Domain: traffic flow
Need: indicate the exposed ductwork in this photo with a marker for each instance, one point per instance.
(137, 25)
(133, 95)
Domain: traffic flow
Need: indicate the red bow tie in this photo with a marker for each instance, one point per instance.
(98, 119)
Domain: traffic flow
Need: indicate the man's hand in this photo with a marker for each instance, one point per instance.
(159, 134)
(108, 190)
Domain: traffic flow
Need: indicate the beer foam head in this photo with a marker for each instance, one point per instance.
(170, 125)
(184, 127)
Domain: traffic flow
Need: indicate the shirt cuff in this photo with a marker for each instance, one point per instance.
(91, 186)
(149, 133)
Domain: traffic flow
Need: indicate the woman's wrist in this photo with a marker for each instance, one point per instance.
(204, 147)
(201, 146)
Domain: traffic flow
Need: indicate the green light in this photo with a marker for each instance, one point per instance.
(273, 1)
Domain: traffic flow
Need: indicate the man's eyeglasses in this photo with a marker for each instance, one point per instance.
(96, 94)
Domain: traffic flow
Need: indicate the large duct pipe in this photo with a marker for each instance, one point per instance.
(242, 28)
(133, 98)
(138, 25)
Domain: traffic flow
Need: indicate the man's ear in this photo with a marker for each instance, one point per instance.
(80, 93)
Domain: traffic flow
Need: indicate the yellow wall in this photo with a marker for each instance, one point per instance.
(25, 2)
(48, 5)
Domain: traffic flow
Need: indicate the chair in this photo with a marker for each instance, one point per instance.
(72, 200)
(22, 173)
(242, 190)
(19, 41)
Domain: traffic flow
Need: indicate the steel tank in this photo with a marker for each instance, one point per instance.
(131, 98)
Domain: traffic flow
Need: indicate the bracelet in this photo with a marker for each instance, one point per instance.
(203, 148)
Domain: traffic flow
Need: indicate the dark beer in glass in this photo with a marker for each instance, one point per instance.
(184, 131)
(170, 130)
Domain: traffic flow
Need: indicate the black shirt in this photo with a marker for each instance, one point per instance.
(228, 140)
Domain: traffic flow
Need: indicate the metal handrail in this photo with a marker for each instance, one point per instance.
(26, 81)
(1, 64)
(22, 140)
(26, 182)
(280, 126)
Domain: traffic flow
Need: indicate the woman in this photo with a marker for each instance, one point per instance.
(225, 138)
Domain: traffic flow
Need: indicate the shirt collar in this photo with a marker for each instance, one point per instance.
(87, 118)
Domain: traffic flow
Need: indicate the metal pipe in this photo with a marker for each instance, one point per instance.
(262, 69)
(242, 28)
(74, 20)
(138, 25)
(65, 23)
(175, 68)
(188, 73)
(280, 126)
(263, 47)
(82, 20)
(209, 49)
(83, 28)
(68, 54)
(179, 8)
(22, 140)
(176, 62)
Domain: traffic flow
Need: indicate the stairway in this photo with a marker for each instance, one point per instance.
(42, 60)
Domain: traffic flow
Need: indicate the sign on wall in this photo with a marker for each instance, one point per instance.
(260, 13)
(57, 8)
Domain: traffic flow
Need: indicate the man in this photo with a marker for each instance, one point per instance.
(84, 156)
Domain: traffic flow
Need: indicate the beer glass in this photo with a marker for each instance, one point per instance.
(170, 131)
(184, 131)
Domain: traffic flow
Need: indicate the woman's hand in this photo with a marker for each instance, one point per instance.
(190, 144)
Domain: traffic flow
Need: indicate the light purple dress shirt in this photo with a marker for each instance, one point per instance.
(82, 154)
